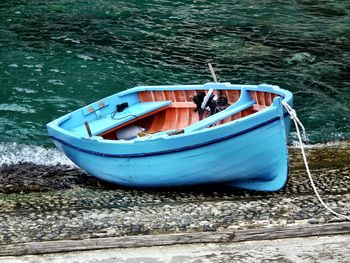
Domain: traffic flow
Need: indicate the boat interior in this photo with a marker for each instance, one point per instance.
(181, 112)
(156, 111)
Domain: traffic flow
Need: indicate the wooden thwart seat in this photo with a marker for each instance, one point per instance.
(132, 113)
(233, 109)
(183, 104)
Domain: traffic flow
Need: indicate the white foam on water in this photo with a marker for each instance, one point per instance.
(56, 82)
(16, 108)
(25, 90)
(295, 144)
(72, 40)
(84, 57)
(337, 140)
(59, 37)
(14, 153)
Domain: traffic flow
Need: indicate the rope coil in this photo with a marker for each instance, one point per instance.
(297, 123)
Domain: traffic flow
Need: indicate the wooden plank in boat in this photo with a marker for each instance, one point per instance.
(177, 104)
(257, 107)
(233, 109)
(131, 113)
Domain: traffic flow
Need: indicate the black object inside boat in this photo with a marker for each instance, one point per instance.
(198, 100)
(122, 106)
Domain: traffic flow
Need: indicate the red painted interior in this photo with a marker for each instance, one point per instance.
(181, 112)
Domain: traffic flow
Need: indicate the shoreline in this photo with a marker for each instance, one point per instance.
(54, 204)
(14, 153)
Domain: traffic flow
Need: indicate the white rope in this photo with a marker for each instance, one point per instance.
(294, 117)
(297, 123)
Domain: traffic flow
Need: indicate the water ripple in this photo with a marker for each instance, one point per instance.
(90, 49)
(16, 108)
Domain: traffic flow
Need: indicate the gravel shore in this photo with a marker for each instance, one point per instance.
(40, 203)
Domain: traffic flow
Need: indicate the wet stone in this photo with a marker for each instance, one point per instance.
(71, 205)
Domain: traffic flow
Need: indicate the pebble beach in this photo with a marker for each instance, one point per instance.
(50, 203)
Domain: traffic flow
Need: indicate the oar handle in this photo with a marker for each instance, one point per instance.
(210, 91)
(206, 98)
(212, 73)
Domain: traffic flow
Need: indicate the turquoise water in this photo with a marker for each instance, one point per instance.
(56, 56)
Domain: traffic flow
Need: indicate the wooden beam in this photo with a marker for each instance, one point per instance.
(134, 120)
(177, 104)
(175, 239)
(258, 107)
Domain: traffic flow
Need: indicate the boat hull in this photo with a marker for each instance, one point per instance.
(254, 158)
(244, 145)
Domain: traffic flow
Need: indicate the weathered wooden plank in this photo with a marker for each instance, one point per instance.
(174, 239)
(178, 104)
(292, 232)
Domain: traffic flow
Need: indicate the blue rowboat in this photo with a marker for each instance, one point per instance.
(161, 136)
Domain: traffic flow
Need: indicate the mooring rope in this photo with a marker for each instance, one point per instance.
(297, 123)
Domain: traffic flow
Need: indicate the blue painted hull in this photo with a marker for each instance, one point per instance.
(249, 154)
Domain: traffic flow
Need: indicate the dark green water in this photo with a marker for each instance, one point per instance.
(56, 56)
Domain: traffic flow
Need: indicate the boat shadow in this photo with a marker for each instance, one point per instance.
(28, 178)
